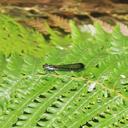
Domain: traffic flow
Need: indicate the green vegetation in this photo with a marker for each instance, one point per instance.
(31, 97)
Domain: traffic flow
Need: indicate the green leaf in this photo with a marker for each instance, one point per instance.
(31, 97)
(16, 39)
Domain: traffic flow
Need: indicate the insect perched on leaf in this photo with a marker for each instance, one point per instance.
(65, 67)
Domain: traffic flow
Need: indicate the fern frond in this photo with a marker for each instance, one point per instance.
(61, 22)
(95, 97)
(17, 39)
